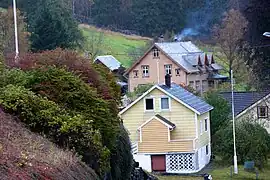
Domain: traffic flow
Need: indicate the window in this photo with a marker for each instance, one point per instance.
(205, 125)
(164, 103)
(201, 124)
(262, 111)
(191, 84)
(204, 85)
(177, 72)
(168, 69)
(156, 53)
(145, 71)
(198, 87)
(149, 104)
(135, 73)
(211, 84)
(206, 149)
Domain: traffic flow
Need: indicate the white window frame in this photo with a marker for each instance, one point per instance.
(168, 67)
(199, 86)
(190, 84)
(144, 68)
(201, 127)
(206, 124)
(259, 112)
(169, 101)
(149, 110)
(156, 53)
(179, 72)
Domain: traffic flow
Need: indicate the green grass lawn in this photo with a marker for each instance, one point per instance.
(116, 44)
(223, 173)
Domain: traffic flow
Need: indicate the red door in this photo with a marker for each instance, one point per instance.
(158, 163)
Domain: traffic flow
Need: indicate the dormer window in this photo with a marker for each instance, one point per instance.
(156, 53)
(168, 69)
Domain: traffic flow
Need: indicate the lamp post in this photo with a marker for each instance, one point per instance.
(267, 34)
(16, 30)
(234, 143)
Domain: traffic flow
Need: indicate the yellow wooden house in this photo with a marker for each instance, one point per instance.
(169, 128)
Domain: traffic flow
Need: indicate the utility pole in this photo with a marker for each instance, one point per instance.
(16, 30)
(234, 143)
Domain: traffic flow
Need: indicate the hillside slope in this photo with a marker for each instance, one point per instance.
(25, 155)
(114, 43)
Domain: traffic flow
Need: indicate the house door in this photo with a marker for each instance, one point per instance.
(158, 163)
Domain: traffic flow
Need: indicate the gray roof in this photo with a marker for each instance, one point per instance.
(188, 98)
(243, 100)
(109, 61)
(186, 54)
(165, 120)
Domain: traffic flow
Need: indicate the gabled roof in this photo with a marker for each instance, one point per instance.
(184, 54)
(244, 100)
(163, 120)
(188, 98)
(109, 61)
(179, 94)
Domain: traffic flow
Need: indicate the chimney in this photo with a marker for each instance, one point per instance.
(168, 80)
(161, 38)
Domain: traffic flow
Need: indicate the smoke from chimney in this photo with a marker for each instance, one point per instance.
(201, 20)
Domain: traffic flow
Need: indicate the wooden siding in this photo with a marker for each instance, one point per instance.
(155, 140)
(204, 138)
(153, 71)
(182, 117)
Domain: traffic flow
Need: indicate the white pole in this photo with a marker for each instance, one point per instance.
(234, 144)
(16, 30)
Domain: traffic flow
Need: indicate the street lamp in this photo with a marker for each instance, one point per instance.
(234, 144)
(16, 30)
(267, 34)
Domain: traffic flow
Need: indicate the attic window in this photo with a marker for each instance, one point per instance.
(135, 73)
(149, 104)
(262, 112)
(155, 53)
(177, 72)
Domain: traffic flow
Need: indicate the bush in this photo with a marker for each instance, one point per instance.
(122, 159)
(26, 155)
(220, 115)
(68, 130)
(252, 143)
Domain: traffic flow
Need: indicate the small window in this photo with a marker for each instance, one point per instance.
(201, 124)
(177, 72)
(198, 86)
(262, 112)
(135, 73)
(165, 103)
(168, 69)
(205, 125)
(204, 85)
(149, 104)
(155, 53)
(191, 84)
(145, 71)
(206, 149)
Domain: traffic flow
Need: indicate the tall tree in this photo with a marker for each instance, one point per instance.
(258, 54)
(230, 35)
(51, 25)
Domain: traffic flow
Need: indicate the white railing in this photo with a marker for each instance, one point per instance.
(134, 148)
